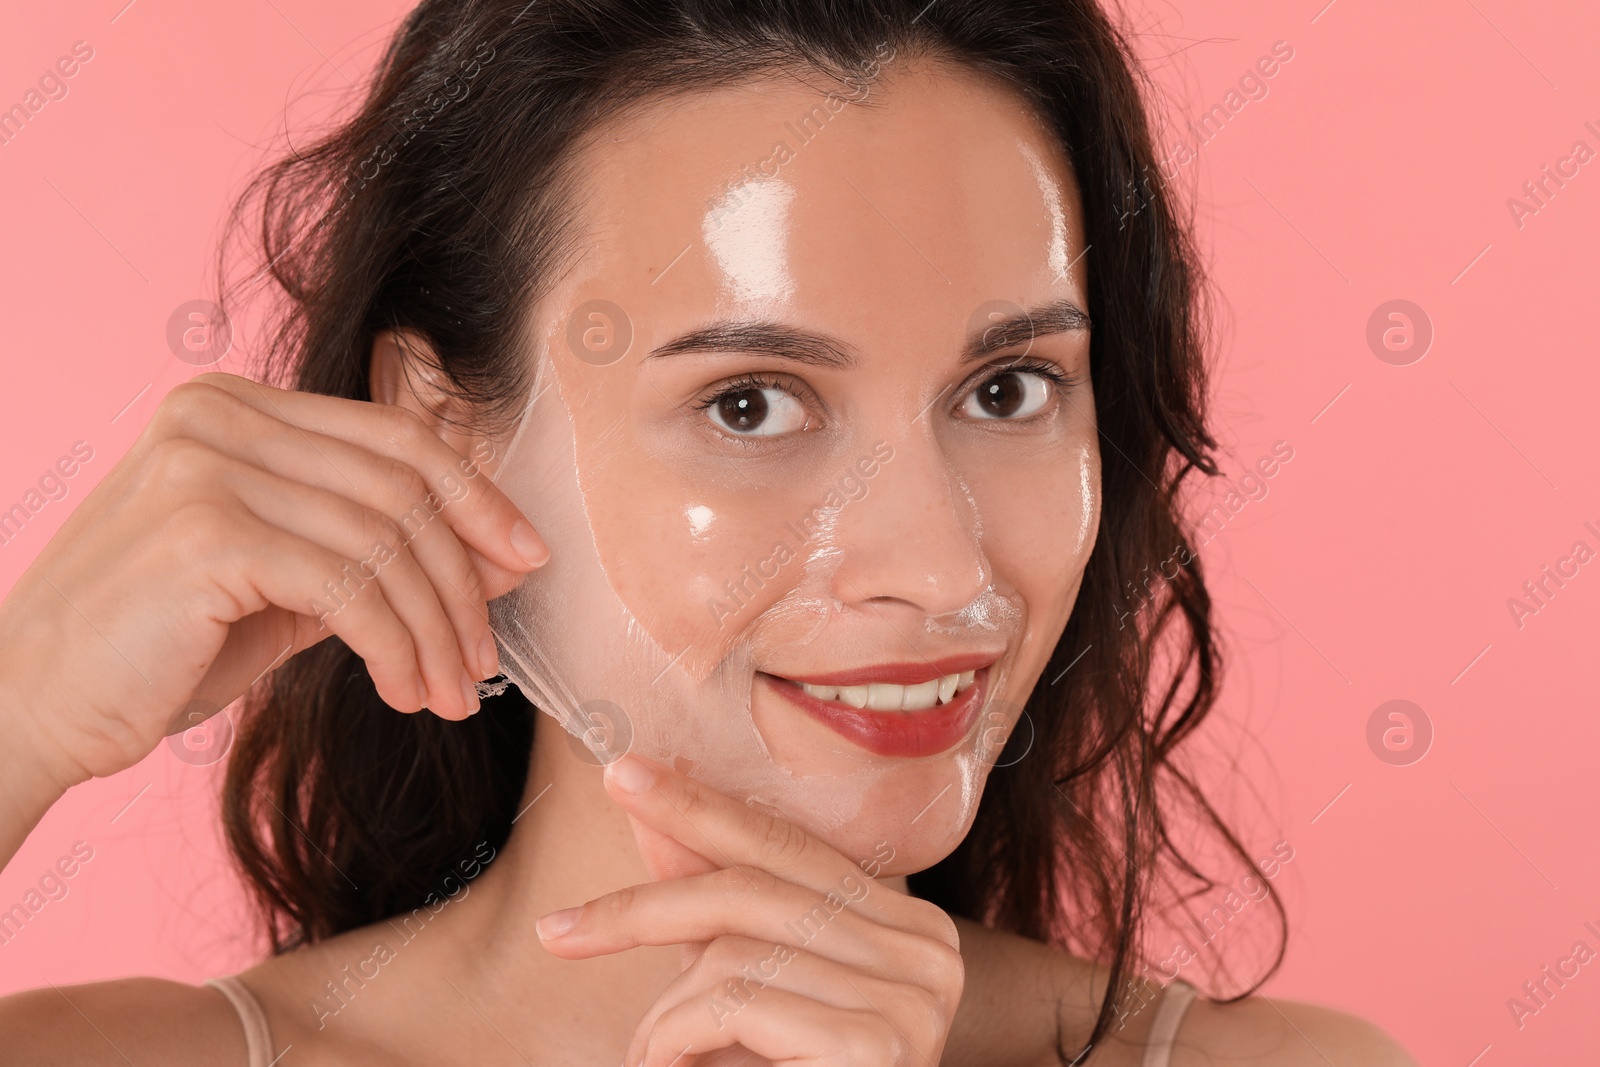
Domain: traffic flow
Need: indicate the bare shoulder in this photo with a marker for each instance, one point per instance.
(1268, 1032)
(131, 1020)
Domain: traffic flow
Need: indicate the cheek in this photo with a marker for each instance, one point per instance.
(1040, 525)
(693, 566)
(696, 546)
(1041, 522)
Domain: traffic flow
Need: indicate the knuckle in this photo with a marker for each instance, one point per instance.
(954, 979)
(941, 967)
(404, 427)
(470, 585)
(782, 841)
(177, 461)
(692, 799)
(873, 1042)
(618, 903)
(404, 488)
(379, 530)
(216, 379)
(185, 403)
(722, 955)
(936, 922)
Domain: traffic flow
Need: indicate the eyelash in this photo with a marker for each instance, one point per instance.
(747, 382)
(1032, 365)
(755, 380)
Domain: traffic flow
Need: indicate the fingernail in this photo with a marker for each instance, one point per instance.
(529, 545)
(631, 775)
(488, 656)
(469, 693)
(557, 923)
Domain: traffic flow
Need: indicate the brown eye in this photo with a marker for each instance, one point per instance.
(1011, 394)
(757, 412)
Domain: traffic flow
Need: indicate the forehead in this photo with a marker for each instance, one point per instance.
(943, 191)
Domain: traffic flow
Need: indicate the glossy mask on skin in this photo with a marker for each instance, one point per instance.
(731, 510)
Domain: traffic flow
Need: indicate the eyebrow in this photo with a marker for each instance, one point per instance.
(820, 350)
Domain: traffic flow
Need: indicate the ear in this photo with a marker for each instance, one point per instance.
(405, 372)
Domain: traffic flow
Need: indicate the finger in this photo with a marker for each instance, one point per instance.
(385, 485)
(216, 408)
(732, 833)
(787, 1028)
(383, 561)
(254, 646)
(665, 857)
(493, 525)
(744, 901)
(720, 828)
(256, 565)
(735, 970)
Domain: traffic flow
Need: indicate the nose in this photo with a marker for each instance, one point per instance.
(910, 543)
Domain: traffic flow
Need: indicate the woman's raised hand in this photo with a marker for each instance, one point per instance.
(245, 524)
(802, 956)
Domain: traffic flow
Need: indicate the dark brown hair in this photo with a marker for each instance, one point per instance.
(438, 206)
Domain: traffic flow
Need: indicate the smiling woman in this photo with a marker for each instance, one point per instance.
(902, 796)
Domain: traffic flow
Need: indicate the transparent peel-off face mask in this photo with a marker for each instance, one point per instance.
(682, 584)
(880, 531)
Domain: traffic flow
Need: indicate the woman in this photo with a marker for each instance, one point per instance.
(844, 222)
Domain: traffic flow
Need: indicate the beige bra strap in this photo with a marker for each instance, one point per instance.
(258, 1044)
(1175, 1001)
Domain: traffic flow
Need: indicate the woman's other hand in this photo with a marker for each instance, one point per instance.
(799, 955)
(245, 524)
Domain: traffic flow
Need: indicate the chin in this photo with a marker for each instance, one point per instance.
(884, 841)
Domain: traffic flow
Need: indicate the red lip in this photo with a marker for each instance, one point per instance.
(900, 734)
(900, 673)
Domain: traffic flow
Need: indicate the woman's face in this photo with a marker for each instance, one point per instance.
(815, 424)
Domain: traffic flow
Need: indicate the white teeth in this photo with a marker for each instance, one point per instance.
(887, 696)
(855, 695)
(921, 695)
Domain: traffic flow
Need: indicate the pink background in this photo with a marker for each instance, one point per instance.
(1378, 566)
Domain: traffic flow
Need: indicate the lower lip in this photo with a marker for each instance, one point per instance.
(900, 734)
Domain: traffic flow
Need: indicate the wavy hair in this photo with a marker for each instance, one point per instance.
(440, 206)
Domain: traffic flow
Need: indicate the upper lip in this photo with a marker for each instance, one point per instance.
(899, 673)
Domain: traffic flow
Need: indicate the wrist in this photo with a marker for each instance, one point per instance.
(33, 774)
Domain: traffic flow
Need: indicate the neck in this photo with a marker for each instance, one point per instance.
(569, 845)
